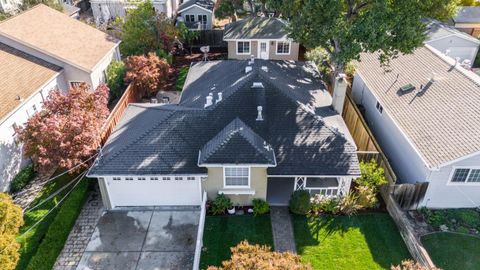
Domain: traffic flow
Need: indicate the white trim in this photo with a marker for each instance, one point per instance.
(208, 165)
(112, 52)
(142, 175)
(314, 175)
(249, 47)
(242, 191)
(454, 168)
(459, 159)
(289, 47)
(194, 5)
(237, 187)
(258, 39)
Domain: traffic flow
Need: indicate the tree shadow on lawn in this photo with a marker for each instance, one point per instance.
(386, 247)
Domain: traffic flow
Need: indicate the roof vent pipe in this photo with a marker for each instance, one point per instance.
(209, 101)
(257, 85)
(248, 69)
(219, 97)
(259, 115)
(265, 68)
(252, 60)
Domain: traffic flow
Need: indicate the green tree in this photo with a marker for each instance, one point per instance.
(469, 3)
(115, 78)
(51, 3)
(138, 30)
(11, 218)
(186, 35)
(346, 28)
(372, 176)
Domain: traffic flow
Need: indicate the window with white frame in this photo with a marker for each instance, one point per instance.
(75, 84)
(379, 107)
(117, 178)
(141, 178)
(153, 178)
(283, 47)
(178, 178)
(237, 177)
(166, 178)
(202, 19)
(190, 18)
(129, 178)
(190, 178)
(466, 175)
(243, 47)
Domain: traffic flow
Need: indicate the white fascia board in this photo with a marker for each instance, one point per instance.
(146, 175)
(314, 175)
(195, 5)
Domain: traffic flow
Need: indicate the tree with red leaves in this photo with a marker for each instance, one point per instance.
(67, 129)
(148, 73)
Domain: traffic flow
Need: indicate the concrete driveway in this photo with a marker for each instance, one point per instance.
(154, 238)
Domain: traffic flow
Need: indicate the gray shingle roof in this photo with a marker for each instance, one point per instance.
(438, 30)
(166, 139)
(442, 121)
(256, 28)
(208, 4)
(467, 14)
(237, 144)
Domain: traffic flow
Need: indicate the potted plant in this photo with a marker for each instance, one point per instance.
(220, 204)
(231, 209)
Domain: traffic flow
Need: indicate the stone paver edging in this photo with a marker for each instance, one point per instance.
(282, 229)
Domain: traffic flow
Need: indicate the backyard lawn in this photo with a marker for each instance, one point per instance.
(223, 232)
(451, 251)
(364, 241)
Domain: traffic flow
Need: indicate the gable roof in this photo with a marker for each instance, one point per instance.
(256, 28)
(57, 35)
(237, 144)
(467, 14)
(166, 139)
(442, 120)
(206, 4)
(438, 30)
(21, 75)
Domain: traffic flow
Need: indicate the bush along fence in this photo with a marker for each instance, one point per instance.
(369, 149)
(201, 225)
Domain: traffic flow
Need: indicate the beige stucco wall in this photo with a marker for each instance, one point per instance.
(232, 51)
(258, 182)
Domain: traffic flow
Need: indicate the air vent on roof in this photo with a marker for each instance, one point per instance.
(265, 68)
(153, 100)
(220, 97)
(252, 60)
(407, 88)
(259, 113)
(248, 69)
(209, 100)
(257, 85)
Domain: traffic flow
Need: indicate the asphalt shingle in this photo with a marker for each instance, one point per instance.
(256, 28)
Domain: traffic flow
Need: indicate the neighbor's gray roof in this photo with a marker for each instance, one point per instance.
(443, 120)
(467, 14)
(437, 30)
(237, 144)
(256, 28)
(208, 4)
(166, 139)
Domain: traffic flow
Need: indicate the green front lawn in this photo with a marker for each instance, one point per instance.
(223, 232)
(451, 251)
(364, 241)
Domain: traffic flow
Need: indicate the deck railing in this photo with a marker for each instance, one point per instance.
(201, 225)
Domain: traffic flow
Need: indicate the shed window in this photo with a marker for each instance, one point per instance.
(189, 18)
(283, 47)
(465, 175)
(117, 178)
(243, 47)
(237, 176)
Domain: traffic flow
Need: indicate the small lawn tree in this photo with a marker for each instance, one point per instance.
(253, 257)
(67, 130)
(11, 218)
(149, 73)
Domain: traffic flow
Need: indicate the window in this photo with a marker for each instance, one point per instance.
(465, 175)
(178, 178)
(379, 107)
(283, 47)
(153, 178)
(237, 177)
(34, 108)
(166, 178)
(243, 47)
(117, 178)
(75, 84)
(189, 18)
(129, 178)
(190, 178)
(202, 18)
(141, 178)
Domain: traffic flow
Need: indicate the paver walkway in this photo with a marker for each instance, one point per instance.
(81, 232)
(282, 229)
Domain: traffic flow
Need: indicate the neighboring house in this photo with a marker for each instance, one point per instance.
(40, 50)
(71, 11)
(452, 42)
(262, 37)
(81, 50)
(468, 20)
(248, 130)
(424, 111)
(106, 10)
(197, 14)
(25, 82)
(8, 6)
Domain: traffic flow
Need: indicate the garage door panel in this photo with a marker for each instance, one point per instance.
(154, 192)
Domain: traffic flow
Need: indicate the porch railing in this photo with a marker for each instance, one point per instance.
(327, 191)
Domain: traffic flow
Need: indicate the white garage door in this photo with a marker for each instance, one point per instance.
(151, 191)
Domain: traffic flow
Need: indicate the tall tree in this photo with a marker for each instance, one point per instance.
(67, 129)
(149, 73)
(11, 218)
(346, 28)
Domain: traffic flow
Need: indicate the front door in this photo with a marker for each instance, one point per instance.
(263, 50)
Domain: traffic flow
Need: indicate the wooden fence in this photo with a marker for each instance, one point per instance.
(408, 196)
(130, 95)
(212, 38)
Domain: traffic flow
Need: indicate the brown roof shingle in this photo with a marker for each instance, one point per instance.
(443, 119)
(60, 36)
(21, 75)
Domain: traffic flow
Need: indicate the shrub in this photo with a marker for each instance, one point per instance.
(246, 257)
(321, 58)
(300, 202)
(411, 265)
(348, 205)
(11, 218)
(467, 217)
(260, 207)
(182, 76)
(366, 197)
(22, 179)
(324, 204)
(161, 53)
(372, 175)
(221, 204)
(149, 73)
(115, 75)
